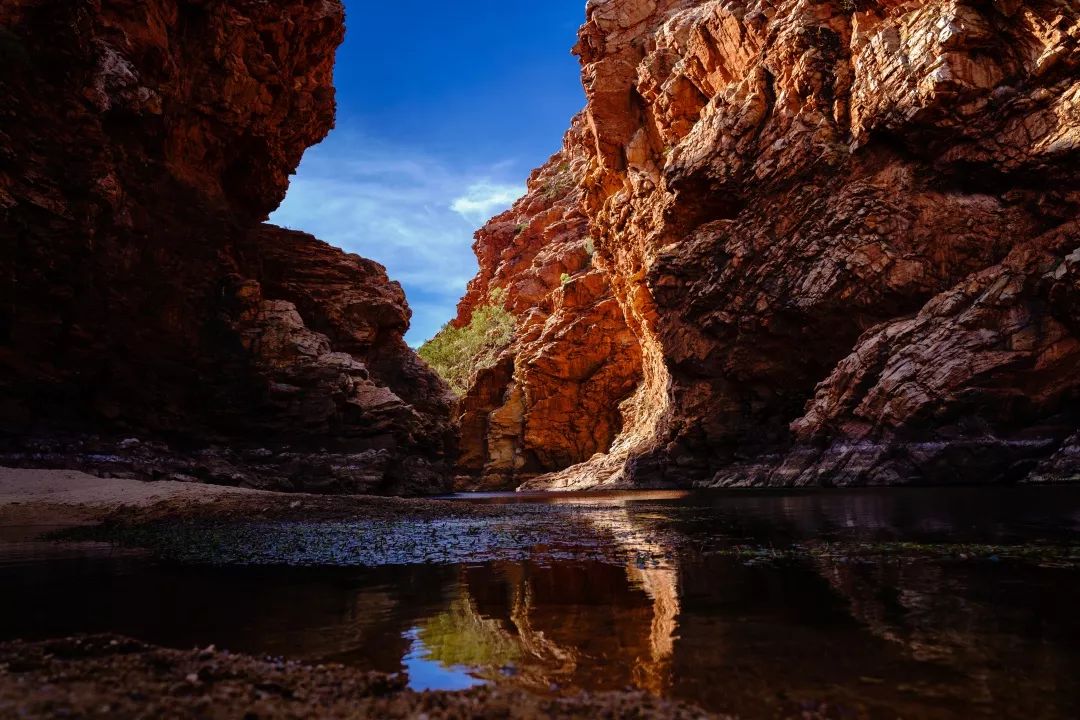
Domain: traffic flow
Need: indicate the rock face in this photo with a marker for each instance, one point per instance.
(552, 400)
(143, 144)
(836, 242)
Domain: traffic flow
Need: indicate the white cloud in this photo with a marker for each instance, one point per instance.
(401, 208)
(483, 199)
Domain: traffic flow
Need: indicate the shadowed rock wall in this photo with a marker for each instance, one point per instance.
(142, 144)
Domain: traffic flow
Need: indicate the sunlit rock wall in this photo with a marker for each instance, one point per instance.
(835, 243)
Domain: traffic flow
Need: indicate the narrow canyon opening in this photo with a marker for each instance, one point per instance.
(736, 269)
(787, 255)
(822, 243)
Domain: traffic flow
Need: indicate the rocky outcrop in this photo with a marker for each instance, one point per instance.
(552, 399)
(142, 146)
(841, 238)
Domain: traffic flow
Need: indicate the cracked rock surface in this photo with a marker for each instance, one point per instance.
(828, 243)
(142, 146)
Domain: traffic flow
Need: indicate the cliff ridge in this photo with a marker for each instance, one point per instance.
(830, 242)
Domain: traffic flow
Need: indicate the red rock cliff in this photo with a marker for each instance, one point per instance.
(835, 242)
(141, 146)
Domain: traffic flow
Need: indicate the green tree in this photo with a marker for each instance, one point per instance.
(456, 354)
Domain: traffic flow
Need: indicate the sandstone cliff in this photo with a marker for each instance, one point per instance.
(141, 146)
(803, 243)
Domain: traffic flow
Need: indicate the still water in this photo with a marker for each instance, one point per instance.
(929, 603)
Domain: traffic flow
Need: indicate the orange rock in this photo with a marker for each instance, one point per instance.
(553, 398)
(840, 238)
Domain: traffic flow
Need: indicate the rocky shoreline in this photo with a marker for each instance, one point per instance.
(322, 467)
(116, 677)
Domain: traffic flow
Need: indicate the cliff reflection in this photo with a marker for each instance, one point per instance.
(579, 625)
(846, 605)
(927, 636)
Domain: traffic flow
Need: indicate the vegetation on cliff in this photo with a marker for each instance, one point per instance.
(456, 353)
(834, 244)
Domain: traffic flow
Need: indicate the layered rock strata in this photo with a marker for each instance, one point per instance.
(552, 399)
(835, 243)
(143, 144)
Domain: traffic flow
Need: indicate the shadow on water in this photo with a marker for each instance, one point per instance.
(906, 603)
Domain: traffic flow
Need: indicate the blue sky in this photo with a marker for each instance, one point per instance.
(443, 110)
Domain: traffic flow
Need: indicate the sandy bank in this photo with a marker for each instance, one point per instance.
(36, 498)
(70, 487)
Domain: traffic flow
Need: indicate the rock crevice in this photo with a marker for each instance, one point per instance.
(835, 242)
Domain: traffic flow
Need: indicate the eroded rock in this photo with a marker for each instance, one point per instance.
(840, 236)
(142, 146)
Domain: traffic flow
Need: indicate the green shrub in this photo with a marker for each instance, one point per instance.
(564, 278)
(456, 354)
(559, 184)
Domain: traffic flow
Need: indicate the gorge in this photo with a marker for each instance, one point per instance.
(791, 254)
(798, 243)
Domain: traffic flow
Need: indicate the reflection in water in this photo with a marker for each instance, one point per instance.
(570, 626)
(660, 584)
(565, 623)
(460, 636)
(428, 670)
(922, 630)
(1011, 633)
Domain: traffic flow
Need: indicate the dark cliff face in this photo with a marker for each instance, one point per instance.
(142, 144)
(842, 238)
